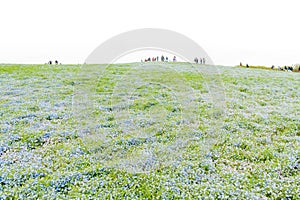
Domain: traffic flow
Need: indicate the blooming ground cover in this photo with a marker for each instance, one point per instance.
(137, 131)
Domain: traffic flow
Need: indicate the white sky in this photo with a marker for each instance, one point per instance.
(257, 32)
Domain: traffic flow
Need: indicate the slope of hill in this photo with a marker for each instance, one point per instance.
(160, 130)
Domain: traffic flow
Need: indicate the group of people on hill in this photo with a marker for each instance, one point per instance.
(200, 60)
(166, 59)
(156, 59)
(241, 65)
(55, 62)
(286, 68)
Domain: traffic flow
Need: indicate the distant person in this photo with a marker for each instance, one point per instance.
(167, 59)
(196, 60)
(272, 67)
(299, 69)
(162, 58)
(285, 68)
(203, 61)
(174, 59)
(200, 61)
(247, 65)
(157, 58)
(50, 62)
(241, 65)
(56, 62)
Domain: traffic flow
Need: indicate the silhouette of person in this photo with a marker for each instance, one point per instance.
(196, 60)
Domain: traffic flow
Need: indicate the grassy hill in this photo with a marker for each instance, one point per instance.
(142, 130)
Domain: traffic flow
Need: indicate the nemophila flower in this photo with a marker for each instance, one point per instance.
(145, 136)
(3, 147)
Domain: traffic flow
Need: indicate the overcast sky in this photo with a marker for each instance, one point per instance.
(250, 31)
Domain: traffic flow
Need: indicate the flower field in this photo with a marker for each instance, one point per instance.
(148, 131)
